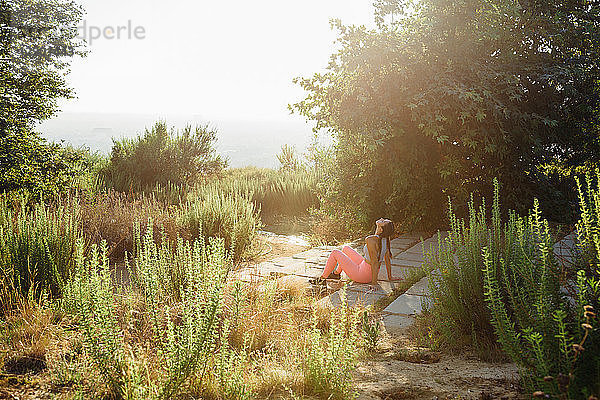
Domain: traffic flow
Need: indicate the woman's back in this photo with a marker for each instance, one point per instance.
(384, 249)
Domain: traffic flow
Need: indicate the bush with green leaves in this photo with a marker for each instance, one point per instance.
(495, 281)
(37, 248)
(456, 271)
(41, 170)
(330, 358)
(439, 97)
(180, 292)
(162, 156)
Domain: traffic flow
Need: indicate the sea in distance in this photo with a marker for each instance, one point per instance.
(249, 142)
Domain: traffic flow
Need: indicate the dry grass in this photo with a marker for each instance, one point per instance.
(111, 216)
(269, 322)
(26, 337)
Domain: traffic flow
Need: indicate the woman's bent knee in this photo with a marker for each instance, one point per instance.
(336, 253)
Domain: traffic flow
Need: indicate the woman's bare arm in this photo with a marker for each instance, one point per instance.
(388, 264)
(372, 242)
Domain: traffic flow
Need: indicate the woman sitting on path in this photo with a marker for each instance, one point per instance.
(358, 268)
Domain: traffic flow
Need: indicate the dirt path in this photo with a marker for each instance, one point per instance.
(401, 371)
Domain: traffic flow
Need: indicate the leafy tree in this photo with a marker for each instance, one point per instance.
(38, 39)
(37, 42)
(28, 162)
(442, 96)
(163, 156)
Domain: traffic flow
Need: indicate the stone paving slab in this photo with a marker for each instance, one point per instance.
(383, 287)
(409, 257)
(566, 250)
(400, 314)
(406, 304)
(394, 323)
(312, 253)
(420, 288)
(402, 243)
(397, 272)
(399, 262)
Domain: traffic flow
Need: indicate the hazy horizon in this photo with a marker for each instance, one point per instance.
(244, 142)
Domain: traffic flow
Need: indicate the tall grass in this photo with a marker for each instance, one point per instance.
(110, 216)
(273, 192)
(37, 248)
(213, 213)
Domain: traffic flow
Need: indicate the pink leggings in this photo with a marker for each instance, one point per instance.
(349, 261)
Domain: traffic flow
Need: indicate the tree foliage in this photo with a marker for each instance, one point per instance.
(442, 96)
(37, 42)
(44, 170)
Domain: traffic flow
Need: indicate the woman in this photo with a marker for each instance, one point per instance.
(358, 268)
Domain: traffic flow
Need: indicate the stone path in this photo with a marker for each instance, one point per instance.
(407, 258)
(401, 313)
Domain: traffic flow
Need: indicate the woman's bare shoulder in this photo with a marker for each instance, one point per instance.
(371, 239)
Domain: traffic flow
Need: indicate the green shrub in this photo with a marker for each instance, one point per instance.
(162, 156)
(37, 248)
(499, 281)
(553, 336)
(330, 359)
(183, 335)
(213, 213)
(456, 272)
(28, 163)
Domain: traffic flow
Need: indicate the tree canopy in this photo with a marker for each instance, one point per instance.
(444, 95)
(38, 40)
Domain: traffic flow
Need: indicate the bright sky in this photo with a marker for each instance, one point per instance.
(211, 59)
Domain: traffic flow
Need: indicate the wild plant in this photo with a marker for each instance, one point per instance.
(548, 332)
(228, 369)
(459, 309)
(371, 330)
(214, 213)
(588, 226)
(89, 297)
(330, 359)
(37, 248)
(182, 290)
